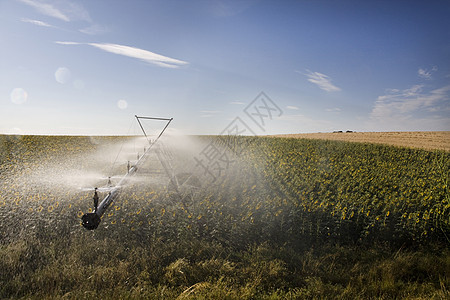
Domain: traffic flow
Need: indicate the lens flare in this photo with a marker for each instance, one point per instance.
(122, 104)
(62, 75)
(18, 96)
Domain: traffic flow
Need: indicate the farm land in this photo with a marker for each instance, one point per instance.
(289, 218)
(429, 140)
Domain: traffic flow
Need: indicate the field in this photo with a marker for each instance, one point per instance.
(429, 140)
(282, 218)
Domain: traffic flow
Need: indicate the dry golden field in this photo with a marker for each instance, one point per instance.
(415, 139)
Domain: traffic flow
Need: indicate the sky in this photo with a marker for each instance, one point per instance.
(267, 67)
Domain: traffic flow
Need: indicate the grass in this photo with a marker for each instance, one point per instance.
(120, 269)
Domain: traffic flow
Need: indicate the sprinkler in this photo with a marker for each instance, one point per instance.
(91, 221)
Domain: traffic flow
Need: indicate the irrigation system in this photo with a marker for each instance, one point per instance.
(91, 220)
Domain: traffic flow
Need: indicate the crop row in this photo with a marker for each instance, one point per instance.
(281, 190)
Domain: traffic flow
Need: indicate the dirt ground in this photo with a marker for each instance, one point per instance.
(416, 139)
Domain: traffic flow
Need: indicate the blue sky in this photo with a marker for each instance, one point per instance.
(87, 67)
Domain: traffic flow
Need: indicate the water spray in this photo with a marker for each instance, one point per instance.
(91, 221)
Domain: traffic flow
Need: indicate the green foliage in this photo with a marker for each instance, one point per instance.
(295, 219)
(361, 191)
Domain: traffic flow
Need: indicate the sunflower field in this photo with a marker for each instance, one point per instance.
(281, 218)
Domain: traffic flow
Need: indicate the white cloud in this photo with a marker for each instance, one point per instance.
(147, 56)
(321, 80)
(46, 9)
(237, 103)
(141, 54)
(68, 43)
(94, 30)
(411, 108)
(64, 10)
(292, 107)
(335, 110)
(75, 10)
(36, 22)
(425, 73)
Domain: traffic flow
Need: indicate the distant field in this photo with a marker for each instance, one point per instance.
(416, 139)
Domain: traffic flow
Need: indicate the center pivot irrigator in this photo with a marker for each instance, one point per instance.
(91, 221)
